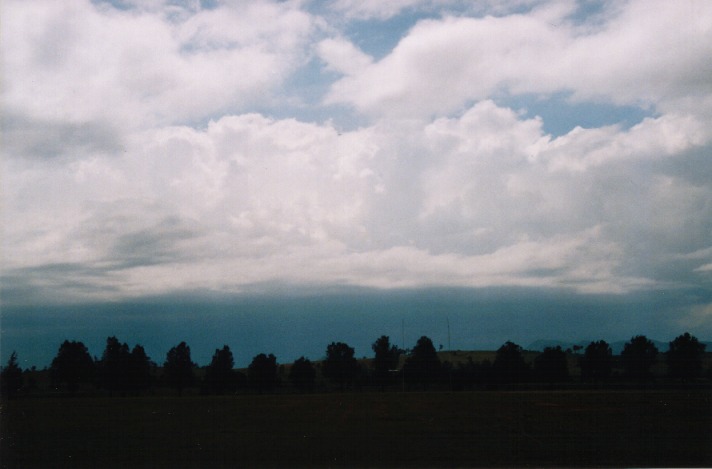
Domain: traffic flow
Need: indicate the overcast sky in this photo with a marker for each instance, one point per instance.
(155, 147)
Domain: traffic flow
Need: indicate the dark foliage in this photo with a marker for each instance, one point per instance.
(509, 366)
(72, 365)
(638, 356)
(220, 377)
(139, 374)
(596, 362)
(11, 377)
(340, 366)
(385, 360)
(551, 366)
(302, 375)
(262, 372)
(423, 365)
(684, 358)
(178, 367)
(471, 374)
(113, 369)
(123, 371)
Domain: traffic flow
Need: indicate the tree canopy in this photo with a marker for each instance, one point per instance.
(340, 366)
(11, 377)
(385, 359)
(423, 365)
(639, 354)
(72, 365)
(509, 366)
(684, 358)
(302, 374)
(262, 372)
(113, 369)
(551, 366)
(178, 367)
(596, 362)
(220, 377)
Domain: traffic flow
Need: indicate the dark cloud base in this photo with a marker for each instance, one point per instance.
(295, 323)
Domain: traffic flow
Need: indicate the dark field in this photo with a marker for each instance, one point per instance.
(437, 429)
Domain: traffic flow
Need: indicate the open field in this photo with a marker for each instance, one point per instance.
(436, 429)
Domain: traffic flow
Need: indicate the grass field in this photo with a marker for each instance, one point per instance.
(437, 429)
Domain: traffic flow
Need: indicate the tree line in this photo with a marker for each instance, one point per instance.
(122, 370)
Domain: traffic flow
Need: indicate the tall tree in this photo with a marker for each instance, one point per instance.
(596, 362)
(551, 366)
(684, 358)
(220, 377)
(302, 375)
(178, 367)
(113, 369)
(72, 365)
(638, 357)
(139, 374)
(11, 377)
(340, 366)
(385, 360)
(509, 366)
(423, 365)
(262, 372)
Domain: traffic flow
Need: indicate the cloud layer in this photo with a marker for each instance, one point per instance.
(146, 150)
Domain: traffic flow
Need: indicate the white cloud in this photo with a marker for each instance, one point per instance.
(653, 138)
(648, 54)
(249, 199)
(136, 161)
(82, 62)
(342, 56)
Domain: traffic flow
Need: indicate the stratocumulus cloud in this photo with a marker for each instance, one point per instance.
(158, 147)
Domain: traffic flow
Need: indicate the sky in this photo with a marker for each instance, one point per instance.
(511, 163)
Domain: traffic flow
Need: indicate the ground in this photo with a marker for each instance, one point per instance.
(436, 429)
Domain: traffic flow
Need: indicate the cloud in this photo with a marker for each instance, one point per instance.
(80, 61)
(45, 138)
(141, 156)
(342, 56)
(467, 201)
(642, 56)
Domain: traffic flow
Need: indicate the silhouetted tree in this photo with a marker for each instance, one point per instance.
(471, 374)
(423, 365)
(551, 366)
(638, 356)
(596, 362)
(72, 365)
(178, 367)
(385, 360)
(340, 366)
(219, 375)
(262, 372)
(302, 375)
(113, 368)
(139, 374)
(684, 358)
(462, 376)
(11, 377)
(509, 366)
